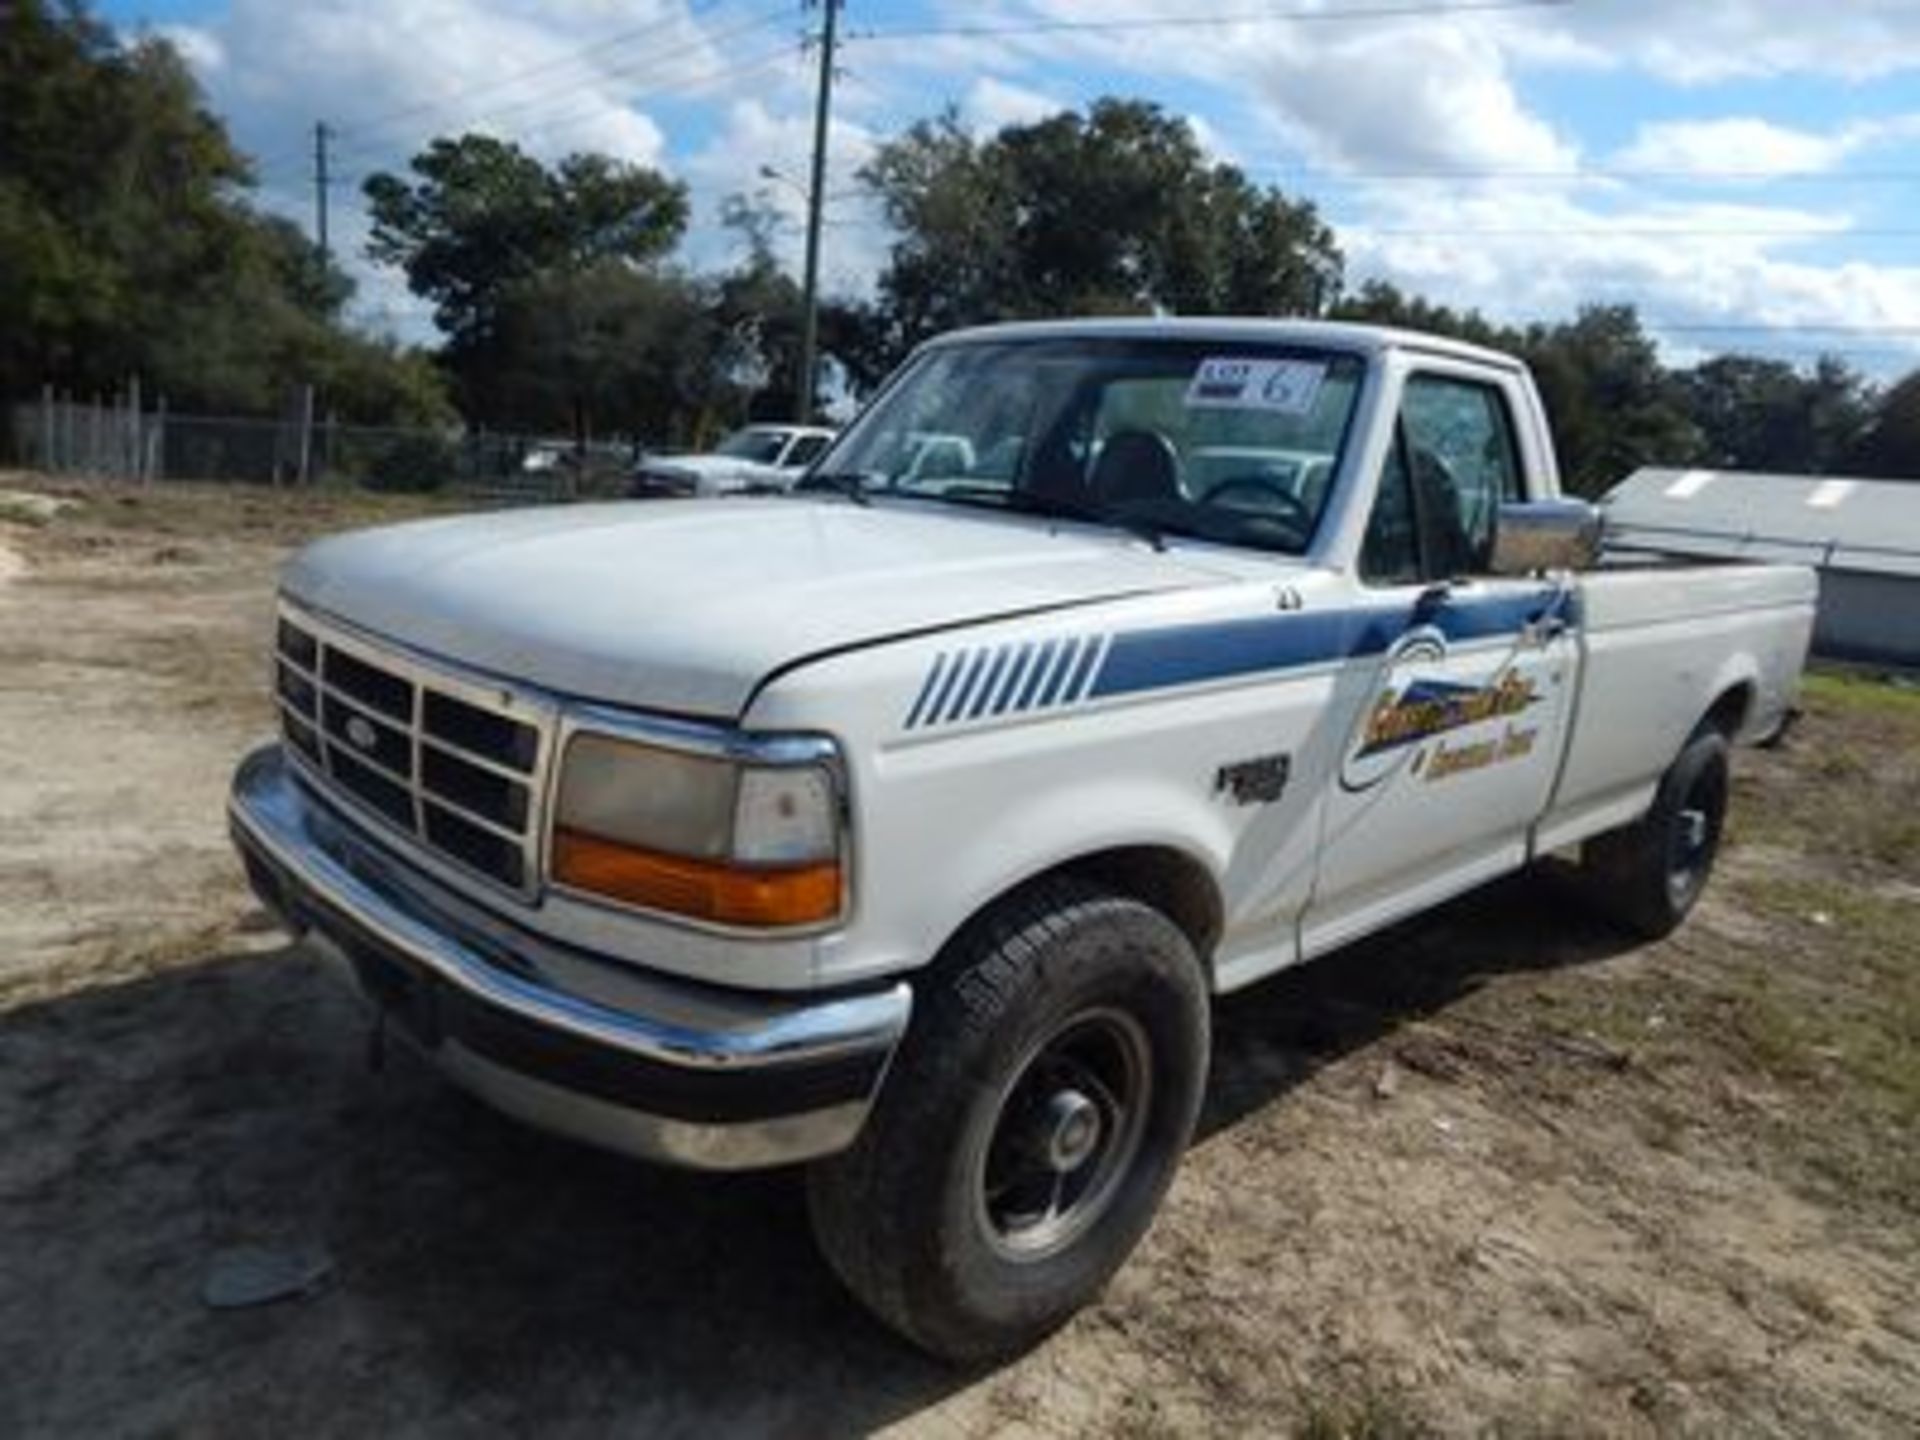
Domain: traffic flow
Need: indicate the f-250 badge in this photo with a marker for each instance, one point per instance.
(1259, 781)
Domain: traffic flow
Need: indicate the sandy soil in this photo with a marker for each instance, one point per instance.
(1496, 1171)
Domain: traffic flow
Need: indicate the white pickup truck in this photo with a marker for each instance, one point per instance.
(759, 459)
(905, 826)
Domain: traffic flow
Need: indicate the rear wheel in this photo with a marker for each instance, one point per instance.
(1030, 1126)
(1648, 875)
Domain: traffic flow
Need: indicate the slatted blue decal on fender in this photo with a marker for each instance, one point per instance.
(1018, 676)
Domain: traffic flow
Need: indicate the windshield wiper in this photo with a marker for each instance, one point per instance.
(850, 483)
(1138, 526)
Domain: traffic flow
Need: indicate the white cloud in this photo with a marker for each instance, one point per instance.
(1411, 97)
(993, 104)
(1371, 100)
(1737, 146)
(1703, 41)
(1518, 231)
(199, 47)
(776, 131)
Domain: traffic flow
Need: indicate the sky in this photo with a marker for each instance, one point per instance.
(1747, 172)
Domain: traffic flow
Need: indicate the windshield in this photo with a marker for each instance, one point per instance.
(760, 446)
(1234, 442)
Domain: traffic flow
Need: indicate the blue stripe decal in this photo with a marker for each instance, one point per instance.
(946, 688)
(987, 684)
(1188, 654)
(965, 687)
(1061, 663)
(1018, 676)
(933, 678)
(1038, 673)
(1008, 690)
(1218, 650)
(1077, 687)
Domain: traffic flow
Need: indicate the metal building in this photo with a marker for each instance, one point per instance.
(1862, 535)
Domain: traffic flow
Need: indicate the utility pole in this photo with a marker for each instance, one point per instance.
(816, 196)
(321, 134)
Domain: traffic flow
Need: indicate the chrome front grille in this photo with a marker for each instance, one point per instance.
(455, 763)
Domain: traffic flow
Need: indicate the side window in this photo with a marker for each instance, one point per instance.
(804, 450)
(1390, 555)
(1463, 463)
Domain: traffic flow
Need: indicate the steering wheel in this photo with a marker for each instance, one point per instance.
(1299, 513)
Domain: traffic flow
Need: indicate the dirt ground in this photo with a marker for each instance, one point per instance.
(1498, 1171)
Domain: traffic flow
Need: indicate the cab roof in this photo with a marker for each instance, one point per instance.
(1367, 340)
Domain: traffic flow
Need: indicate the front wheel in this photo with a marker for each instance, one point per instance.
(1030, 1126)
(1648, 875)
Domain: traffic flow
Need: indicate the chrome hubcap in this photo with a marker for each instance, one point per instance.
(1075, 1124)
(1694, 838)
(1067, 1131)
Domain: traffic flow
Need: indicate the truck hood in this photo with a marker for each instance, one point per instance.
(686, 606)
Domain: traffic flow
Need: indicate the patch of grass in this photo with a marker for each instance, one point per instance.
(201, 512)
(1844, 790)
(1372, 1414)
(1861, 692)
(23, 507)
(1834, 1015)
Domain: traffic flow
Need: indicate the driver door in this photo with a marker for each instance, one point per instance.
(1457, 686)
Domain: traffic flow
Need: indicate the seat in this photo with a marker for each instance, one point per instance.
(1449, 550)
(1136, 466)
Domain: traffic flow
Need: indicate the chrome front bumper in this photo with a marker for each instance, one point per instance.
(663, 1068)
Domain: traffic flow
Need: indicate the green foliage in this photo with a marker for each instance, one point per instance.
(483, 226)
(1891, 447)
(413, 464)
(1613, 405)
(128, 249)
(1764, 414)
(603, 347)
(1113, 212)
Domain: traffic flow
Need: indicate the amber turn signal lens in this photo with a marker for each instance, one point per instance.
(703, 889)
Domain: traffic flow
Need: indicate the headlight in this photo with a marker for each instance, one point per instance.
(716, 839)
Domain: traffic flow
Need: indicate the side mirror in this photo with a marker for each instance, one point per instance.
(1546, 535)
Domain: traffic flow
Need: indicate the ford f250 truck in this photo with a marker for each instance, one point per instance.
(905, 826)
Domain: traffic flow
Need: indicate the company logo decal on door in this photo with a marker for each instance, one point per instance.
(1411, 711)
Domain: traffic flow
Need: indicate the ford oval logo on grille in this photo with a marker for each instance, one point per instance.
(362, 733)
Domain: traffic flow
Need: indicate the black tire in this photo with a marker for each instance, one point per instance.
(1646, 876)
(980, 1206)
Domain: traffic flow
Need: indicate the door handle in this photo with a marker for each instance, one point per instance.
(1544, 626)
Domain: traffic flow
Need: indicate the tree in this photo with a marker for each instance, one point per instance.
(1891, 448)
(1613, 406)
(482, 222)
(602, 348)
(1762, 414)
(1114, 211)
(127, 245)
(1379, 302)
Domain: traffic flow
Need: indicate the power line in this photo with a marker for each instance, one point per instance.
(1308, 174)
(590, 54)
(1296, 15)
(1660, 232)
(767, 60)
(629, 71)
(1782, 327)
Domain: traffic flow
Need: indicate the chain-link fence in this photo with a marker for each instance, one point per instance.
(117, 438)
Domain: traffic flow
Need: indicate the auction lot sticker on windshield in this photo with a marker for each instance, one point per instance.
(1232, 383)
